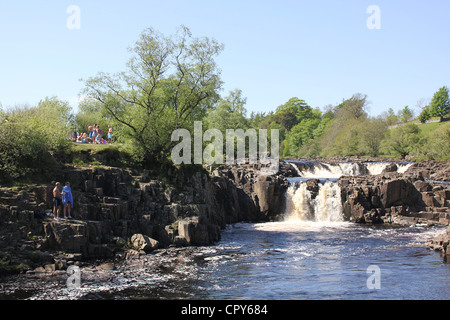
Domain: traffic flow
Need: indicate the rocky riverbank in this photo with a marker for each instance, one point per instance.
(114, 207)
(441, 244)
(406, 198)
(127, 213)
(418, 196)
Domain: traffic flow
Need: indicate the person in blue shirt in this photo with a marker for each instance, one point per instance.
(67, 200)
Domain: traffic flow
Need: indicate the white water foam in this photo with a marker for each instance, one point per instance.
(325, 207)
(295, 225)
(321, 170)
(335, 171)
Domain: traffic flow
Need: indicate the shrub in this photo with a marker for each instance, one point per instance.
(28, 136)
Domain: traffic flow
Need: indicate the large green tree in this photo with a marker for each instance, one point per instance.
(372, 133)
(401, 141)
(354, 107)
(296, 107)
(169, 82)
(406, 114)
(230, 113)
(440, 105)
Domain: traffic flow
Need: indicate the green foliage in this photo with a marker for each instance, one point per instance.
(296, 107)
(170, 82)
(390, 117)
(29, 134)
(401, 141)
(256, 118)
(440, 105)
(299, 135)
(348, 131)
(435, 141)
(353, 108)
(425, 115)
(230, 113)
(297, 123)
(406, 114)
(373, 132)
(90, 113)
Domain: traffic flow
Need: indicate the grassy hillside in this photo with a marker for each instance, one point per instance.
(427, 128)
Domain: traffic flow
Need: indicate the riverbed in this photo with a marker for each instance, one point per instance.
(292, 260)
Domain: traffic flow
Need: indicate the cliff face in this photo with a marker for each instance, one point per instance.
(408, 198)
(112, 204)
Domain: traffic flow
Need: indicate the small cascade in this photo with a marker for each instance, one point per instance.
(304, 203)
(317, 170)
(310, 169)
(315, 194)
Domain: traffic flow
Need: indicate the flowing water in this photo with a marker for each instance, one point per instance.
(270, 261)
(312, 254)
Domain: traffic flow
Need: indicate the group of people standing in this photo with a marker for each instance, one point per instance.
(62, 199)
(95, 135)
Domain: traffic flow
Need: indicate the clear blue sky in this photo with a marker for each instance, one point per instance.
(320, 51)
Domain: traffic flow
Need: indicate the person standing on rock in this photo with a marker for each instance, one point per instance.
(67, 200)
(57, 202)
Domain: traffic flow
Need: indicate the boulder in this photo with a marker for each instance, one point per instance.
(390, 168)
(67, 236)
(430, 200)
(441, 244)
(264, 191)
(422, 186)
(313, 186)
(193, 231)
(106, 267)
(398, 192)
(145, 243)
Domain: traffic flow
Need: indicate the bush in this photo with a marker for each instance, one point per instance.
(402, 141)
(21, 151)
(436, 144)
(425, 115)
(28, 136)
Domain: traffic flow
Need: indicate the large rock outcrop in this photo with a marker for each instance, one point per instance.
(441, 244)
(114, 208)
(391, 197)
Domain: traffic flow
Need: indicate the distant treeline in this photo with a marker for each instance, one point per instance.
(172, 81)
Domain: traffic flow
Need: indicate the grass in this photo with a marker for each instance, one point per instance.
(429, 132)
(96, 148)
(85, 155)
(426, 128)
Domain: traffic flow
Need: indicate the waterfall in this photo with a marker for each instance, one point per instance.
(313, 169)
(320, 201)
(303, 204)
(309, 169)
(375, 168)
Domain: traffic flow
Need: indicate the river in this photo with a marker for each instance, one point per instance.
(312, 255)
(292, 260)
